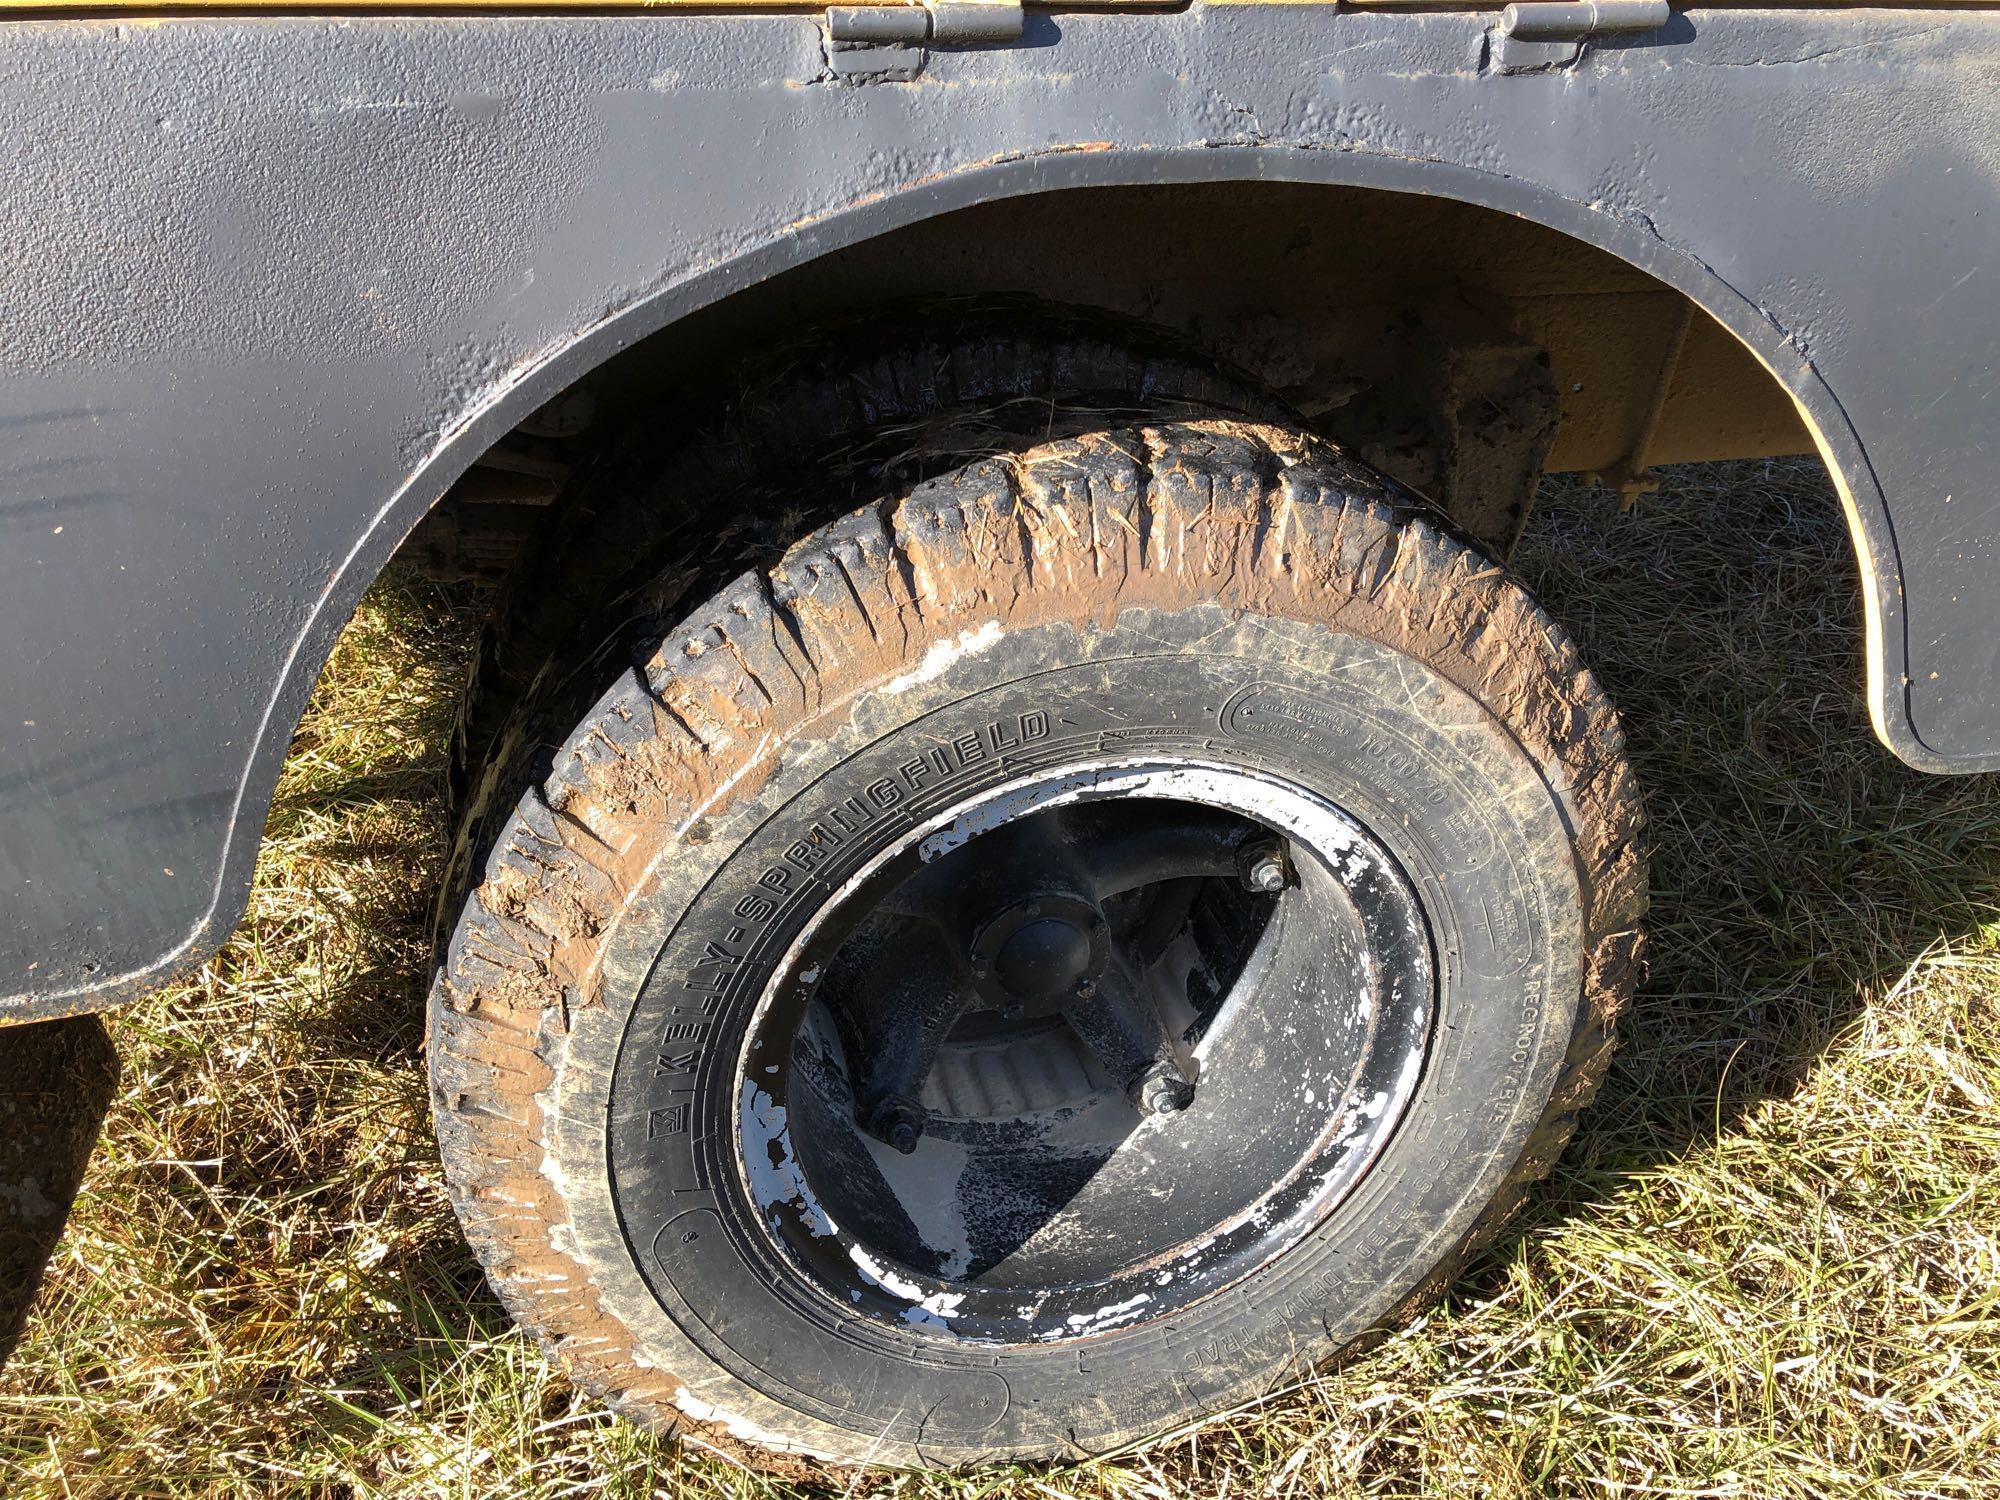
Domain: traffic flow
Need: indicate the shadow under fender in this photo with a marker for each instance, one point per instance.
(57, 1080)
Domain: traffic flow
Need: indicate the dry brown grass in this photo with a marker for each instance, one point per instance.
(1769, 1266)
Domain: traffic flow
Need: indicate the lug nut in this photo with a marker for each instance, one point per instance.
(1264, 871)
(898, 1123)
(1164, 1092)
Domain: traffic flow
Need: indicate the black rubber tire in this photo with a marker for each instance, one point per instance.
(1136, 582)
(683, 501)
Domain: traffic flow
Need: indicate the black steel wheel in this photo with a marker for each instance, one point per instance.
(1072, 946)
(1083, 1049)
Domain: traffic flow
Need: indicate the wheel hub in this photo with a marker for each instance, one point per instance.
(1043, 959)
(1030, 958)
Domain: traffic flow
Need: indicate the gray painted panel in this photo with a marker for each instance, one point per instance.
(272, 282)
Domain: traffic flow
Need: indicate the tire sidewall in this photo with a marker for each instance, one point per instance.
(1468, 812)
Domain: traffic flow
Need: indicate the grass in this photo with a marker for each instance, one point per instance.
(1769, 1265)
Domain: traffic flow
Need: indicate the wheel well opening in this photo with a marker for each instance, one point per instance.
(1356, 306)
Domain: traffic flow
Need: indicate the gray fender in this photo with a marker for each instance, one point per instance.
(277, 282)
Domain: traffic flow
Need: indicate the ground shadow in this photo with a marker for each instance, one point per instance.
(57, 1080)
(1797, 867)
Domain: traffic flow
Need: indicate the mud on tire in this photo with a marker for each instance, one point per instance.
(1203, 592)
(639, 540)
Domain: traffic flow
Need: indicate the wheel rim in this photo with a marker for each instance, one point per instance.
(1084, 1050)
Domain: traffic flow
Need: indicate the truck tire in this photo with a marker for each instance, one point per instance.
(1076, 943)
(896, 389)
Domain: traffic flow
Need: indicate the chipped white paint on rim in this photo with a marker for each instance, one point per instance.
(1098, 1319)
(1251, 794)
(776, 1178)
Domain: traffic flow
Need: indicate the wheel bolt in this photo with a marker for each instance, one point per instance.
(1164, 1092)
(898, 1123)
(1265, 872)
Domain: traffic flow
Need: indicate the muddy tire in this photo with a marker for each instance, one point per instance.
(897, 392)
(1005, 720)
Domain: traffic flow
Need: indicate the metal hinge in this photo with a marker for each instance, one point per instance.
(888, 43)
(1540, 36)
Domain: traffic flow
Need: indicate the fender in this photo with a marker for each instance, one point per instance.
(318, 266)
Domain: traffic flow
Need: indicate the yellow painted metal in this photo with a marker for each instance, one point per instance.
(23, 9)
